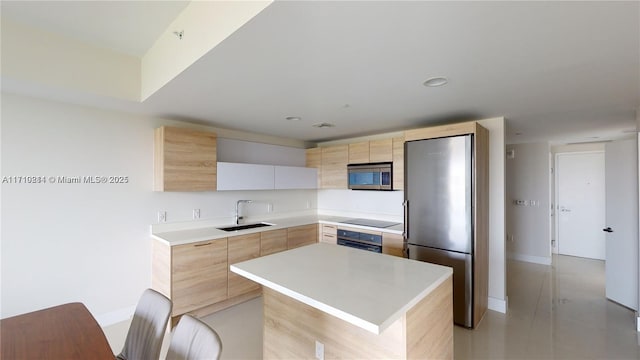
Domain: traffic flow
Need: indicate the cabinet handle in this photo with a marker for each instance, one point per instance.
(198, 245)
(329, 235)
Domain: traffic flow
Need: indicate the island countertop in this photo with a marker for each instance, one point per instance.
(366, 289)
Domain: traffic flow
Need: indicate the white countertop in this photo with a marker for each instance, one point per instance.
(200, 232)
(366, 289)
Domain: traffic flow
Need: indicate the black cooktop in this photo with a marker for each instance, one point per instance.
(369, 222)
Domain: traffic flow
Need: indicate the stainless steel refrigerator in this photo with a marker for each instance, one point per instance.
(439, 212)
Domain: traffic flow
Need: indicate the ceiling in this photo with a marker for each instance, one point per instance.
(559, 72)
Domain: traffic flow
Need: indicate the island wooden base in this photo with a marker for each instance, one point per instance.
(292, 328)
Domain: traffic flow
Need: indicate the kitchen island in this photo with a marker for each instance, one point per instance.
(349, 303)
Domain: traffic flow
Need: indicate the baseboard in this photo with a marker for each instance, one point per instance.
(498, 305)
(116, 316)
(542, 260)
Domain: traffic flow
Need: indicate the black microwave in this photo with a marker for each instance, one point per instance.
(372, 176)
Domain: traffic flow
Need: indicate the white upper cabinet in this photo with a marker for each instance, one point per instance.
(238, 176)
(295, 177)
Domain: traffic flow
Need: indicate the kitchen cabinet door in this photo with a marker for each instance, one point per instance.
(241, 248)
(239, 176)
(199, 275)
(273, 241)
(398, 163)
(334, 167)
(359, 153)
(381, 150)
(329, 234)
(184, 159)
(302, 235)
(313, 159)
(294, 177)
(392, 244)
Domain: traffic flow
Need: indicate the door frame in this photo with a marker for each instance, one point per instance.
(557, 193)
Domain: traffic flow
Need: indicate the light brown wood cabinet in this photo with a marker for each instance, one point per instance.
(196, 276)
(332, 161)
(392, 244)
(313, 158)
(191, 275)
(184, 159)
(273, 241)
(302, 235)
(241, 248)
(398, 163)
(381, 150)
(329, 234)
(371, 151)
(334, 167)
(359, 153)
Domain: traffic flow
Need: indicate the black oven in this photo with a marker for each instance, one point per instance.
(358, 240)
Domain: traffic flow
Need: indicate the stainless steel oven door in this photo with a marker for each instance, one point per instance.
(359, 245)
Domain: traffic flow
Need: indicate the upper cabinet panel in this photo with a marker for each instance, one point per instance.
(398, 163)
(381, 150)
(237, 176)
(313, 159)
(185, 160)
(294, 177)
(441, 131)
(334, 167)
(359, 153)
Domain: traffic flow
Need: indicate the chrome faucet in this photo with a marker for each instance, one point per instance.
(238, 217)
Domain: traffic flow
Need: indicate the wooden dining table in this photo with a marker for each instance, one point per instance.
(66, 331)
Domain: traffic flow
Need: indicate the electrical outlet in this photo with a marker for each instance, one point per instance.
(319, 350)
(196, 214)
(269, 207)
(162, 216)
(308, 204)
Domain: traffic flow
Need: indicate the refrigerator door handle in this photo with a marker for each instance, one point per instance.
(405, 233)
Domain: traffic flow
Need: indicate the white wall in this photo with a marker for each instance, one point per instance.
(497, 259)
(30, 55)
(528, 225)
(90, 242)
(380, 205)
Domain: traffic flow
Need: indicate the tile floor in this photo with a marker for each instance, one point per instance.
(555, 312)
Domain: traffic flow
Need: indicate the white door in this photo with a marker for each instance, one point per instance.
(581, 204)
(621, 266)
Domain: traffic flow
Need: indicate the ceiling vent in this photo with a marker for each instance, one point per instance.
(323, 125)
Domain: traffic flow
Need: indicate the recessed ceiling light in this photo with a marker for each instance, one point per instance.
(323, 125)
(293, 118)
(436, 81)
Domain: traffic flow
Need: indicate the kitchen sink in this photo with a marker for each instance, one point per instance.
(244, 226)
